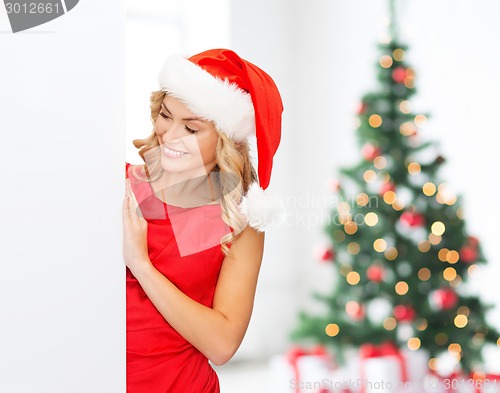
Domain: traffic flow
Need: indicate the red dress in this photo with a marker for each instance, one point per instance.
(160, 360)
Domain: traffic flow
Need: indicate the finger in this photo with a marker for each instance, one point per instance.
(125, 209)
(131, 209)
(130, 197)
(135, 205)
(127, 187)
(127, 222)
(130, 192)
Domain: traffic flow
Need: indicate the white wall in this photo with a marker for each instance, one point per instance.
(62, 283)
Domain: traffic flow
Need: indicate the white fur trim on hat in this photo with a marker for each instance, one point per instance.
(262, 209)
(224, 103)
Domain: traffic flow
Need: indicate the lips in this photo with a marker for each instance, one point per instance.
(173, 153)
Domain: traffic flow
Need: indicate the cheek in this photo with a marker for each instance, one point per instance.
(208, 149)
(157, 128)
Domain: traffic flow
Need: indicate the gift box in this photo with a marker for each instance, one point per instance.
(452, 383)
(300, 371)
(342, 379)
(385, 368)
(486, 382)
(476, 382)
(417, 367)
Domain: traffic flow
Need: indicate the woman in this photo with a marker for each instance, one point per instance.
(194, 217)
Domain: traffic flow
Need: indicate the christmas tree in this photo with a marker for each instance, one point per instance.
(399, 240)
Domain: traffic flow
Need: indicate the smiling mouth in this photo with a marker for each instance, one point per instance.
(173, 153)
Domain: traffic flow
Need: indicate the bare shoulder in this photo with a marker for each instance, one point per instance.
(244, 258)
(250, 242)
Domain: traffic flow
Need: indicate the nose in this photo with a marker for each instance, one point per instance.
(173, 133)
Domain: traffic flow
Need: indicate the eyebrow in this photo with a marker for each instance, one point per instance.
(186, 118)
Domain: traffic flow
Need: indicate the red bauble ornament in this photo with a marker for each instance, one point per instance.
(468, 254)
(389, 186)
(334, 185)
(324, 254)
(361, 108)
(370, 152)
(404, 313)
(375, 273)
(399, 75)
(445, 298)
(355, 310)
(412, 219)
(473, 241)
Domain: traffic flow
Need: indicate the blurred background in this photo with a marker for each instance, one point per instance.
(324, 57)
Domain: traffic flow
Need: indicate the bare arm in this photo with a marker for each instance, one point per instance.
(216, 332)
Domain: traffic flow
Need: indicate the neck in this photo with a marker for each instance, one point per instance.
(185, 189)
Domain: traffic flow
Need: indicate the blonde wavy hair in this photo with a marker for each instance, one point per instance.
(233, 163)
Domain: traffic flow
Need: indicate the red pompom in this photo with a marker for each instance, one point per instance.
(370, 152)
(444, 299)
(412, 219)
(399, 75)
(375, 273)
(404, 313)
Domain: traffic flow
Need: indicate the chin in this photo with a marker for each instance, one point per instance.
(170, 165)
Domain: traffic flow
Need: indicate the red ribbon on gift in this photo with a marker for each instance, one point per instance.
(296, 352)
(478, 376)
(454, 375)
(368, 351)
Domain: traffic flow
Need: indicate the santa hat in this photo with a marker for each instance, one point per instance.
(243, 101)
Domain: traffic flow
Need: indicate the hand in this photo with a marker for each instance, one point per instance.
(135, 245)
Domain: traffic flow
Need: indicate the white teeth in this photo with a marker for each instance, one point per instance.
(172, 152)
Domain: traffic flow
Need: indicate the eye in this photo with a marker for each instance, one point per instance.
(191, 130)
(164, 115)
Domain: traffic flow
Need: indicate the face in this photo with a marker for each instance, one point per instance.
(187, 142)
